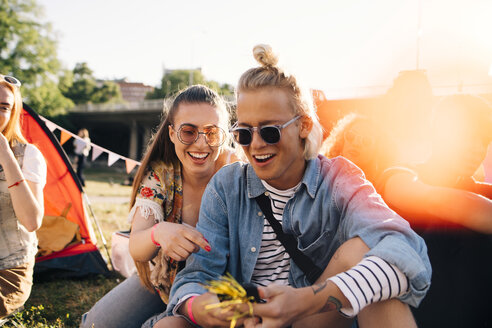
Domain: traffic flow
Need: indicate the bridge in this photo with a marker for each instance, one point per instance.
(120, 125)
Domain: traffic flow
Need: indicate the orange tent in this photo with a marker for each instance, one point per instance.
(62, 191)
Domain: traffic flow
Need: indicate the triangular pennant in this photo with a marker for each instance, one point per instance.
(64, 137)
(96, 151)
(50, 125)
(112, 157)
(130, 164)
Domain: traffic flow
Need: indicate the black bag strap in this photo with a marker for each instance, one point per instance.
(289, 242)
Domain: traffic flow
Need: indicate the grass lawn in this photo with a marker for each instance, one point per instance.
(61, 303)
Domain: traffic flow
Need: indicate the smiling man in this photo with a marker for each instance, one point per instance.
(363, 259)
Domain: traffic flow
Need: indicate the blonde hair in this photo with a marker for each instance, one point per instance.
(13, 131)
(270, 75)
(333, 145)
(83, 133)
(384, 151)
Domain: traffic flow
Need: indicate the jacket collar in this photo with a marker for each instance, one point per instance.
(310, 179)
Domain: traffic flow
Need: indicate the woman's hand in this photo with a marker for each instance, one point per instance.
(4, 150)
(178, 241)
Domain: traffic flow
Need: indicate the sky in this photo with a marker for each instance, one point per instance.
(347, 48)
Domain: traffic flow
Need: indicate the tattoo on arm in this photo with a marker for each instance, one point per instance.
(318, 287)
(332, 304)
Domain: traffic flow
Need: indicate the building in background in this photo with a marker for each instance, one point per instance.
(133, 91)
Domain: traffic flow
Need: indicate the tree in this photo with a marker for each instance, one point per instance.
(107, 92)
(81, 87)
(28, 52)
(175, 80)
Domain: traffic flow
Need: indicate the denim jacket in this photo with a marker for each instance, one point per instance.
(17, 245)
(333, 204)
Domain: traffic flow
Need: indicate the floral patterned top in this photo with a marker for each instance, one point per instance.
(161, 194)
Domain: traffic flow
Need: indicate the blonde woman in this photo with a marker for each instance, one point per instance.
(22, 179)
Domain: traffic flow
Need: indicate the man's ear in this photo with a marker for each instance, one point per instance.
(305, 126)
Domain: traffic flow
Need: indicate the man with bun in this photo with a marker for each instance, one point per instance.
(372, 265)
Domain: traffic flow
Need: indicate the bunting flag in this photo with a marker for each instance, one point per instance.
(51, 126)
(130, 164)
(65, 135)
(96, 151)
(112, 157)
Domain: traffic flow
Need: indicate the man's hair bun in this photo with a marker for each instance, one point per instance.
(264, 55)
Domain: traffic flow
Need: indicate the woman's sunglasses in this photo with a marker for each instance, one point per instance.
(214, 136)
(11, 80)
(269, 133)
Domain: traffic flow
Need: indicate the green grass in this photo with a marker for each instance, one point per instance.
(60, 303)
(106, 182)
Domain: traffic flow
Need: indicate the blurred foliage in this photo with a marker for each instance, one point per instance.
(28, 51)
(174, 80)
(81, 86)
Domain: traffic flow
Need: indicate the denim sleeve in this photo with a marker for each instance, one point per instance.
(204, 266)
(389, 236)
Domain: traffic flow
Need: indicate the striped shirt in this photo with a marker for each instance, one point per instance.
(372, 280)
(273, 262)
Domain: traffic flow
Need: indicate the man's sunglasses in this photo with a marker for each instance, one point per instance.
(11, 80)
(214, 136)
(269, 133)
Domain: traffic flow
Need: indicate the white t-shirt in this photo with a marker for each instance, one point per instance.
(34, 166)
(82, 146)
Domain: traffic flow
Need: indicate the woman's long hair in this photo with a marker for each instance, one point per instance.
(162, 149)
(13, 131)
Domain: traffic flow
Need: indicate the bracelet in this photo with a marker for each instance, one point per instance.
(17, 183)
(152, 235)
(190, 312)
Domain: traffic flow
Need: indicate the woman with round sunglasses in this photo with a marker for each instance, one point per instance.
(189, 147)
(22, 179)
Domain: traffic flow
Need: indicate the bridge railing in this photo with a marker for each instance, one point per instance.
(151, 104)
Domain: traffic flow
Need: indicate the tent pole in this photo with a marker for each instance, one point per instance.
(98, 228)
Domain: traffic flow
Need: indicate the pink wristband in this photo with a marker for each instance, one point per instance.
(190, 312)
(152, 235)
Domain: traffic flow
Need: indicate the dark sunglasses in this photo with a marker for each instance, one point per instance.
(11, 80)
(269, 133)
(188, 134)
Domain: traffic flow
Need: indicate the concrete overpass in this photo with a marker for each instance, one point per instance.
(122, 127)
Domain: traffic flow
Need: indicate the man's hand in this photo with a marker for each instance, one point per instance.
(284, 305)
